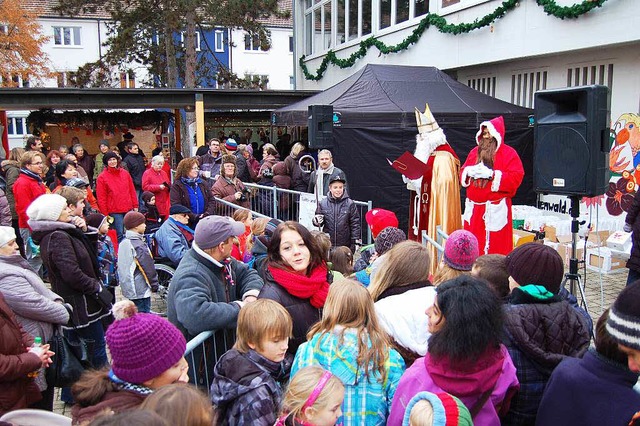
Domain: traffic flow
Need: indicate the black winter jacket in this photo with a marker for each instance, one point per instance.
(136, 168)
(633, 219)
(341, 220)
(70, 258)
(247, 388)
(303, 314)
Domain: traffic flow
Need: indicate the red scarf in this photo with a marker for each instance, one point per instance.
(315, 287)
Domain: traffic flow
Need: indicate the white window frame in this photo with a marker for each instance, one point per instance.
(463, 4)
(218, 40)
(252, 47)
(182, 35)
(13, 125)
(72, 36)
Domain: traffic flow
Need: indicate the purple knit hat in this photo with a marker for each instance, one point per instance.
(142, 346)
(461, 250)
(387, 238)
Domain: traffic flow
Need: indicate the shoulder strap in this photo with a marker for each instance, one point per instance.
(480, 403)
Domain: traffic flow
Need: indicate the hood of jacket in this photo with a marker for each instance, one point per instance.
(235, 374)
(547, 333)
(473, 379)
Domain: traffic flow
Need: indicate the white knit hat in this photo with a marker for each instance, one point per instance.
(7, 234)
(47, 207)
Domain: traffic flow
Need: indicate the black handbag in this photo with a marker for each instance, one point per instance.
(105, 299)
(69, 362)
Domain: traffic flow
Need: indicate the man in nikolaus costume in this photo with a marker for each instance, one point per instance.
(435, 194)
(492, 174)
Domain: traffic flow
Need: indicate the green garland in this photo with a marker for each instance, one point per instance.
(550, 7)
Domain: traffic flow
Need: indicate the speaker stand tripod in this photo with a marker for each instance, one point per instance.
(572, 276)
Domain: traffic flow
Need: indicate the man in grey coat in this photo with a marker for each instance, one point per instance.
(209, 288)
(320, 178)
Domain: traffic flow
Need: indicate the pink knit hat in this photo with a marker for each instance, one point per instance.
(142, 346)
(461, 250)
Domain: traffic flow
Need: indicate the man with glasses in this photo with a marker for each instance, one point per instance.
(211, 162)
(27, 188)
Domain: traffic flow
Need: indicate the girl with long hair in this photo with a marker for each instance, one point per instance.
(402, 292)
(349, 342)
(465, 355)
(460, 251)
(296, 277)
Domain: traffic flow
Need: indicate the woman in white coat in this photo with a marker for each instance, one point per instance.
(37, 309)
(402, 293)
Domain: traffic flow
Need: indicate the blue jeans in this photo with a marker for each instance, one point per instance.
(95, 333)
(143, 305)
(118, 224)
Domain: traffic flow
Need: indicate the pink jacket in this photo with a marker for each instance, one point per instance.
(468, 386)
(151, 181)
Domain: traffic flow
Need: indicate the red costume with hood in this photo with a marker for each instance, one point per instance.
(487, 211)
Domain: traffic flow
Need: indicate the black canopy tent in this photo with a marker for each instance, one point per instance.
(375, 116)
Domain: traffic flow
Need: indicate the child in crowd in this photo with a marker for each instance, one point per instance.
(181, 404)
(324, 242)
(493, 269)
(377, 219)
(314, 397)
(147, 352)
(138, 277)
(338, 215)
(107, 259)
(464, 356)
(349, 342)
(387, 238)
(436, 409)
(261, 242)
(240, 243)
(247, 379)
(460, 251)
(257, 229)
(341, 259)
(150, 211)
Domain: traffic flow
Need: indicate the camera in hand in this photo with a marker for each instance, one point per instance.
(245, 194)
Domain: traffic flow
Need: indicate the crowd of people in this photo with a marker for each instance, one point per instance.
(309, 328)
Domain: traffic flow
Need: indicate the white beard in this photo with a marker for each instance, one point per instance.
(426, 143)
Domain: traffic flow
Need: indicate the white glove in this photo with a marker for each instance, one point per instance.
(627, 228)
(483, 172)
(318, 220)
(472, 171)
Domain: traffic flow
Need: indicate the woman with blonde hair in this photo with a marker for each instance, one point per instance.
(460, 252)
(402, 292)
(350, 343)
(11, 170)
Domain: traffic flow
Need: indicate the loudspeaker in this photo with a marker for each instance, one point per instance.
(320, 126)
(571, 141)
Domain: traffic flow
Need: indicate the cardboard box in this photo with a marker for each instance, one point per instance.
(620, 241)
(564, 249)
(602, 260)
(550, 233)
(599, 238)
(522, 237)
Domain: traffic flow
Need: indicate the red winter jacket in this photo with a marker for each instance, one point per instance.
(151, 181)
(25, 190)
(115, 191)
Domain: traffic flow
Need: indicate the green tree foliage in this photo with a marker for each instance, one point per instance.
(147, 32)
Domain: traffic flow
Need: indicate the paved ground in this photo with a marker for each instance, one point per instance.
(601, 290)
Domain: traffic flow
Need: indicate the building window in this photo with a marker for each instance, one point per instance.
(251, 41)
(197, 43)
(393, 12)
(4, 29)
(219, 41)
(290, 44)
(15, 80)
(525, 84)
(66, 36)
(318, 28)
(259, 81)
(17, 126)
(66, 79)
(486, 85)
(127, 80)
(582, 75)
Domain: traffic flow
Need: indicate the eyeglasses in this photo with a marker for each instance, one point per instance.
(195, 168)
(37, 163)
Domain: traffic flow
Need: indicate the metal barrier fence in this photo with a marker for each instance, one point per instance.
(203, 352)
(286, 204)
(438, 243)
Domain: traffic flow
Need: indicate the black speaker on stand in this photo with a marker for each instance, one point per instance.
(320, 126)
(571, 153)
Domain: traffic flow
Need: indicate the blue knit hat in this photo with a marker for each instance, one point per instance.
(447, 409)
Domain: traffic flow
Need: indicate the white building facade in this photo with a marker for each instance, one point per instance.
(524, 51)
